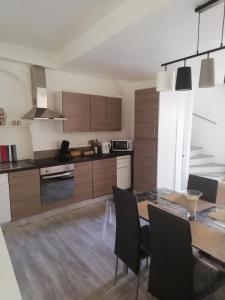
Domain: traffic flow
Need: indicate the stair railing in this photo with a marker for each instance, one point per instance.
(203, 118)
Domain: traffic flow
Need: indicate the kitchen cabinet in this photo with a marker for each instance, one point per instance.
(124, 172)
(104, 176)
(86, 113)
(5, 214)
(98, 113)
(146, 139)
(83, 181)
(145, 164)
(25, 199)
(113, 113)
(146, 114)
(77, 109)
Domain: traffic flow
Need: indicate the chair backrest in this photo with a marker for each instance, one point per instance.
(127, 242)
(205, 185)
(171, 268)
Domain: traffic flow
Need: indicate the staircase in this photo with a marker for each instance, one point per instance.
(202, 164)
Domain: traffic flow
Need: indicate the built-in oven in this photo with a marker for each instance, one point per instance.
(57, 183)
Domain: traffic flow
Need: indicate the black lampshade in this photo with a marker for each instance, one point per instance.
(184, 80)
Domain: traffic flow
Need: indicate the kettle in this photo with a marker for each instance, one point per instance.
(106, 147)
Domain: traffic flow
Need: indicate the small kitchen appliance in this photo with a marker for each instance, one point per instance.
(122, 145)
(64, 153)
(106, 147)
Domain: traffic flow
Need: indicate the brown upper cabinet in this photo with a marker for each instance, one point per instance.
(89, 112)
(146, 114)
(77, 109)
(98, 113)
(113, 114)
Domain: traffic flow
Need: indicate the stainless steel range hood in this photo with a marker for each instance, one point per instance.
(40, 110)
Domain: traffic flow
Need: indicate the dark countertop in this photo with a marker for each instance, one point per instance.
(49, 162)
(20, 165)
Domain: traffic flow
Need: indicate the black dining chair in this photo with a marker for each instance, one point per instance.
(205, 185)
(175, 274)
(129, 234)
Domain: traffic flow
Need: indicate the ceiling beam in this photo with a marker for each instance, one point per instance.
(122, 17)
(28, 55)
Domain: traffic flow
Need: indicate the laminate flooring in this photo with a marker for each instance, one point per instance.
(70, 257)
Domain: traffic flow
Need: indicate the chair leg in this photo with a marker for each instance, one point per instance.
(146, 261)
(125, 269)
(116, 271)
(110, 214)
(137, 287)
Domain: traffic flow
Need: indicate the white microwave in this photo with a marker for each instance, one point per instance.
(122, 145)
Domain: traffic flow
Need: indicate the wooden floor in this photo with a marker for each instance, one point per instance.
(70, 257)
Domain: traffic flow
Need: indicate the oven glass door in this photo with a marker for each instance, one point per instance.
(57, 187)
(120, 145)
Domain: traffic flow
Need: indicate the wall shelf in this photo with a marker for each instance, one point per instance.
(11, 126)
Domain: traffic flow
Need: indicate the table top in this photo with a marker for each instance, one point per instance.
(208, 235)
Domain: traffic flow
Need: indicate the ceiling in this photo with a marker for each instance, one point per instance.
(49, 25)
(132, 52)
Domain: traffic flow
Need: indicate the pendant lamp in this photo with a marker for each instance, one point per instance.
(184, 78)
(165, 81)
(207, 73)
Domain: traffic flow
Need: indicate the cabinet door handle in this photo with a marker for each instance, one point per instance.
(155, 152)
(154, 128)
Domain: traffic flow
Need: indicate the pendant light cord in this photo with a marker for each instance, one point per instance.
(199, 23)
(223, 25)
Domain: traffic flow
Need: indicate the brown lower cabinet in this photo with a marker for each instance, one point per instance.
(25, 198)
(104, 176)
(92, 180)
(83, 181)
(145, 167)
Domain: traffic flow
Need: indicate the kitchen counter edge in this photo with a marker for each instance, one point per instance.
(50, 162)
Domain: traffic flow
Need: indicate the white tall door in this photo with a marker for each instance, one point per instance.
(5, 214)
(184, 126)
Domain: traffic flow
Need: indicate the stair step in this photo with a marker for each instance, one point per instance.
(201, 156)
(195, 150)
(220, 176)
(195, 147)
(200, 159)
(207, 168)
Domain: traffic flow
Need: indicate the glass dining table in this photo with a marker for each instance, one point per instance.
(208, 233)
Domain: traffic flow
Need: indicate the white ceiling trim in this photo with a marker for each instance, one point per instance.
(28, 55)
(112, 24)
(123, 16)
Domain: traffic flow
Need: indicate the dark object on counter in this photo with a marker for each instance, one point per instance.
(64, 153)
(13, 153)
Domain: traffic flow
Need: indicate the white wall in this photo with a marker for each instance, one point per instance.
(15, 98)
